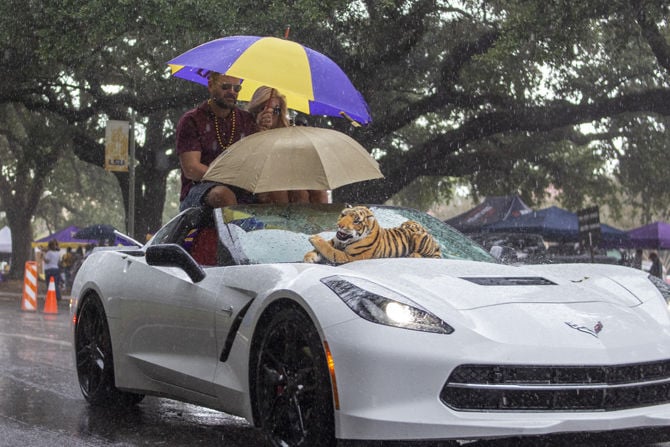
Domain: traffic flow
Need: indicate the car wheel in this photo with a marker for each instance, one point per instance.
(291, 384)
(95, 364)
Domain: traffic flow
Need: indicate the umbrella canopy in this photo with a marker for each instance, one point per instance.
(492, 209)
(292, 158)
(311, 81)
(558, 225)
(653, 236)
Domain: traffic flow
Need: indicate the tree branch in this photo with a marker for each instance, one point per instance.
(651, 33)
(429, 159)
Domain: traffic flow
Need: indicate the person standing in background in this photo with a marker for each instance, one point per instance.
(656, 266)
(51, 267)
(66, 263)
(637, 259)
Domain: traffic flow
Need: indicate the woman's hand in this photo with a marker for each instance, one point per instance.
(264, 119)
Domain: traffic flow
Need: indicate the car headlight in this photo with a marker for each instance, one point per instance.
(383, 306)
(662, 287)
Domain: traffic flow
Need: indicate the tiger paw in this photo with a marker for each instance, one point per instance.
(317, 241)
(312, 257)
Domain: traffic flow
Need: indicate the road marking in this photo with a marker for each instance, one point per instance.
(42, 339)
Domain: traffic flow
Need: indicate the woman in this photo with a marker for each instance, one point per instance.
(51, 268)
(268, 107)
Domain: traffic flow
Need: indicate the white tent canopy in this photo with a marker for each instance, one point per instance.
(5, 240)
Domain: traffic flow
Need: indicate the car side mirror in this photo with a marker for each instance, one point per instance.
(173, 255)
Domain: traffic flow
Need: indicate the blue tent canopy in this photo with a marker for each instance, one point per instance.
(492, 209)
(558, 225)
(553, 223)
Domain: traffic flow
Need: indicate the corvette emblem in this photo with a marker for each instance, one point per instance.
(579, 280)
(591, 331)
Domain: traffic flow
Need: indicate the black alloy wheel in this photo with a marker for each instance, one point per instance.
(95, 365)
(291, 384)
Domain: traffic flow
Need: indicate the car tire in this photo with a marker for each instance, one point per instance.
(290, 381)
(95, 363)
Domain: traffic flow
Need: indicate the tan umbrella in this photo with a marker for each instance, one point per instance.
(293, 158)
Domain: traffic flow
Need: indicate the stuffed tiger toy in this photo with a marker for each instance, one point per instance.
(359, 236)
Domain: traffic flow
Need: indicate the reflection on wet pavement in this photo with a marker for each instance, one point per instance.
(41, 404)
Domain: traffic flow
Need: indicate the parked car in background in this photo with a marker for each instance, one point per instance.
(572, 253)
(529, 248)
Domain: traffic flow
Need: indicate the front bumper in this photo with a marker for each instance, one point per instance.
(390, 380)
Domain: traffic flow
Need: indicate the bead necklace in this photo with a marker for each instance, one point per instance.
(218, 133)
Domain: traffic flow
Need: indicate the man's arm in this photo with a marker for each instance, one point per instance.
(191, 166)
(188, 148)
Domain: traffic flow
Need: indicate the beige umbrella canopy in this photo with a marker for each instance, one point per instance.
(293, 158)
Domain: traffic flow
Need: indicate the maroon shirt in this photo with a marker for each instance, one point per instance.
(196, 132)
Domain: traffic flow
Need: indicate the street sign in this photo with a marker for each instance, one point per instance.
(589, 227)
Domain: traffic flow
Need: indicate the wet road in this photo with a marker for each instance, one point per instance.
(41, 405)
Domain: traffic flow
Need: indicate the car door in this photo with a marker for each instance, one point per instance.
(168, 321)
(168, 325)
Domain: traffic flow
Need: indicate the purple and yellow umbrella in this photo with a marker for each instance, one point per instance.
(312, 82)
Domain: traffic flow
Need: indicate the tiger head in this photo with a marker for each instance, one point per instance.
(354, 224)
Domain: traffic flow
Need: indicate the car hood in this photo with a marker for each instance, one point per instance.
(562, 306)
(469, 285)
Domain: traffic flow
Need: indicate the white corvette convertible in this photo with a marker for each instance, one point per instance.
(219, 309)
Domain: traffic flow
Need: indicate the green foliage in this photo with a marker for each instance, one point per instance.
(492, 93)
(30, 146)
(643, 166)
(424, 192)
(77, 193)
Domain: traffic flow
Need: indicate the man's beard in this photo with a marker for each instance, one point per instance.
(222, 103)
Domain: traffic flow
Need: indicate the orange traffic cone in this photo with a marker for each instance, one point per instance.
(29, 297)
(50, 304)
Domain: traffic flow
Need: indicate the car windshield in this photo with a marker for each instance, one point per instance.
(280, 233)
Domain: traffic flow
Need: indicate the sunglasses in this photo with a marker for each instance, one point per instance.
(236, 87)
(276, 110)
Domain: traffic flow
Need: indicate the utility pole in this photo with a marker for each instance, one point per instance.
(131, 177)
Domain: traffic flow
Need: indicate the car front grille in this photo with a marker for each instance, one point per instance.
(557, 388)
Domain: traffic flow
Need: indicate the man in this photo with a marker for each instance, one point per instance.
(656, 266)
(637, 260)
(203, 134)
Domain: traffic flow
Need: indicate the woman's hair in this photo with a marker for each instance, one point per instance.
(53, 244)
(261, 96)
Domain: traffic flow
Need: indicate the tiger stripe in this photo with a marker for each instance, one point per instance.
(369, 240)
